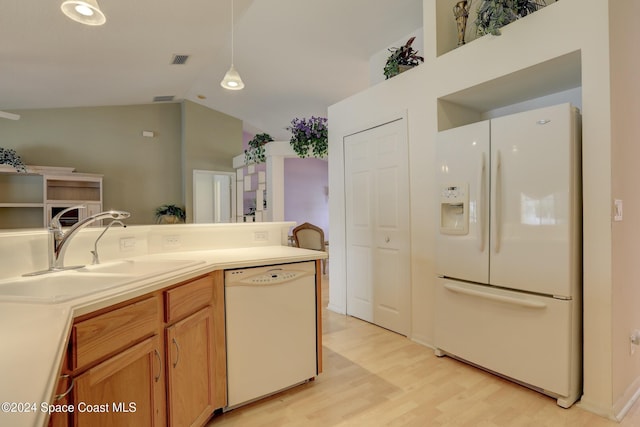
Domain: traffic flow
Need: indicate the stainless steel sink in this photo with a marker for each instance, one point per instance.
(72, 284)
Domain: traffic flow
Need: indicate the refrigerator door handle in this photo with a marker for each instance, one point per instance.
(493, 297)
(497, 204)
(480, 202)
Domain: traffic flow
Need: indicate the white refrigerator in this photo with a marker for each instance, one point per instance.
(509, 248)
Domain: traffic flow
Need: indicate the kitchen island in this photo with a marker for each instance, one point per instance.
(35, 335)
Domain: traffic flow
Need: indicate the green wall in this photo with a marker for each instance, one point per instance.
(210, 141)
(140, 173)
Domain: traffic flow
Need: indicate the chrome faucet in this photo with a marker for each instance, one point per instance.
(59, 239)
(94, 252)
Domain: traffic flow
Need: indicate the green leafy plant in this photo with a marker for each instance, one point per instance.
(495, 14)
(525, 7)
(309, 137)
(403, 55)
(256, 152)
(165, 212)
(11, 158)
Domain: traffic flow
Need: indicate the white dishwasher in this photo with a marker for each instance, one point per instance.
(271, 329)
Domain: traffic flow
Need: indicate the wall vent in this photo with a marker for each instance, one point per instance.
(179, 59)
(163, 98)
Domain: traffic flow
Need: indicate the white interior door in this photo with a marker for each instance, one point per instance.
(213, 196)
(377, 226)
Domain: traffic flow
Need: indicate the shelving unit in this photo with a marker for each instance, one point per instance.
(29, 200)
(254, 184)
(21, 200)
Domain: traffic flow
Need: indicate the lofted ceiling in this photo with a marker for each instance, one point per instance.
(296, 57)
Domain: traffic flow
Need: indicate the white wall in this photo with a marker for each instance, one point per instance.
(553, 32)
(625, 87)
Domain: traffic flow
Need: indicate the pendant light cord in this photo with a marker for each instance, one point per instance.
(232, 31)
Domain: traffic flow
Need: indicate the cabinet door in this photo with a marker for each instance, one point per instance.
(190, 361)
(125, 390)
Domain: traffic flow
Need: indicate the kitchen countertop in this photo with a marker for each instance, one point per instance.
(34, 335)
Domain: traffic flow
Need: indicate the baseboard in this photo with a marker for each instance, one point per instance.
(421, 340)
(336, 309)
(596, 409)
(628, 399)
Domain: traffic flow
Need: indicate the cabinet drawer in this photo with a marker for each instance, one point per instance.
(188, 298)
(107, 333)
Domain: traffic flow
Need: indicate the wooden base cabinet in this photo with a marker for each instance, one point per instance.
(125, 390)
(189, 370)
(158, 360)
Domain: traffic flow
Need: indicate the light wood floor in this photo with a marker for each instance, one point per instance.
(373, 377)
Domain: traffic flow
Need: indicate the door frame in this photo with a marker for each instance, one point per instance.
(232, 179)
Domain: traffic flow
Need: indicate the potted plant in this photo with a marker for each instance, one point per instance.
(10, 157)
(170, 214)
(495, 14)
(256, 153)
(402, 58)
(309, 137)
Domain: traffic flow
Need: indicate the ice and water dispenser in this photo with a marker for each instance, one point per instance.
(454, 209)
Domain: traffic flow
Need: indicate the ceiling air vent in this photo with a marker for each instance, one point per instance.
(179, 59)
(164, 98)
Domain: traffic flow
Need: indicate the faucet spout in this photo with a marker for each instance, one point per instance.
(62, 238)
(94, 252)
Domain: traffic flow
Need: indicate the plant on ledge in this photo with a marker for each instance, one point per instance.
(11, 158)
(495, 14)
(170, 214)
(256, 153)
(401, 58)
(310, 137)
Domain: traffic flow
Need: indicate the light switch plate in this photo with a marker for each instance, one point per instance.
(617, 210)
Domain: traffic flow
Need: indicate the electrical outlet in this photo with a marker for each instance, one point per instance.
(127, 244)
(261, 236)
(172, 241)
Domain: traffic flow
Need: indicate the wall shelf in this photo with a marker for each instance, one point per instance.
(29, 200)
(21, 205)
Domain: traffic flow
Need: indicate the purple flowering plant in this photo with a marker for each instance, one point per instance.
(309, 137)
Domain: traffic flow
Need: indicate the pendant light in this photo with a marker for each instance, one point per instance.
(84, 11)
(232, 80)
